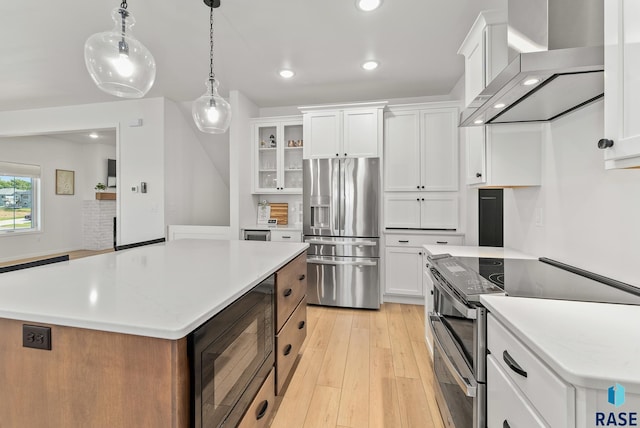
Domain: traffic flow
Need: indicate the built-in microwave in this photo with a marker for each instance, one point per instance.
(230, 357)
(256, 235)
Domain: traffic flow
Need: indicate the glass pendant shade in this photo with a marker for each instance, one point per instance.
(118, 63)
(211, 112)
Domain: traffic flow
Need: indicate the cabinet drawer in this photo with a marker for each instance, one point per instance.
(288, 343)
(544, 389)
(291, 285)
(505, 403)
(259, 412)
(396, 239)
(286, 235)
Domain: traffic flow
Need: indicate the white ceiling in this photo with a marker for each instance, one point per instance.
(323, 41)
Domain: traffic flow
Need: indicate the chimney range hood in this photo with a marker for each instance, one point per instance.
(546, 84)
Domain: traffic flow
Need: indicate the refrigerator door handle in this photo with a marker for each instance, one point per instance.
(335, 197)
(343, 243)
(341, 263)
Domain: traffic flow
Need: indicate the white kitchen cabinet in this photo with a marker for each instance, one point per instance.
(508, 155)
(405, 263)
(485, 51)
(284, 235)
(353, 130)
(434, 210)
(621, 83)
(403, 274)
(277, 155)
(539, 392)
(421, 148)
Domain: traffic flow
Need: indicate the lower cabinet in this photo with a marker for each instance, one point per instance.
(404, 264)
(290, 318)
(521, 388)
(261, 408)
(286, 235)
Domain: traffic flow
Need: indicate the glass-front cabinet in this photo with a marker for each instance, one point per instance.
(277, 160)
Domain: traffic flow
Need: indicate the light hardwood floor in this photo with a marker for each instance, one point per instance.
(362, 368)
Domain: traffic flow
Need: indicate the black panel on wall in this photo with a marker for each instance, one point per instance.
(490, 222)
(111, 167)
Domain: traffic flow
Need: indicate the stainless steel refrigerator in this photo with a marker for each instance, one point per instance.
(341, 203)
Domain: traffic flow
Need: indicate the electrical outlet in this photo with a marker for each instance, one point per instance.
(35, 336)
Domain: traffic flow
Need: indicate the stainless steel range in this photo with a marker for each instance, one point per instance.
(459, 324)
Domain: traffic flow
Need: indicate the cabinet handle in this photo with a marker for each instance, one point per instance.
(432, 292)
(345, 154)
(512, 364)
(505, 424)
(286, 237)
(442, 242)
(478, 175)
(417, 187)
(263, 410)
(403, 241)
(301, 325)
(337, 154)
(287, 349)
(418, 199)
(302, 277)
(605, 143)
(422, 187)
(423, 199)
(288, 292)
(419, 253)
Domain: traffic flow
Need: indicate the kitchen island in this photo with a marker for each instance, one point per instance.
(119, 323)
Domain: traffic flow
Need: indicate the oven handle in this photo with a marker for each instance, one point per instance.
(468, 387)
(469, 313)
(341, 263)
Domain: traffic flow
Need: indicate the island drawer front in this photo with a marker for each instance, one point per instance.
(549, 394)
(506, 402)
(260, 410)
(286, 236)
(288, 344)
(397, 239)
(291, 286)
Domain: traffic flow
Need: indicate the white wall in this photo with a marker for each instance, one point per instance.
(61, 215)
(581, 215)
(195, 191)
(140, 154)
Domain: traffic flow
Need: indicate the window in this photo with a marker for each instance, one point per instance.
(19, 197)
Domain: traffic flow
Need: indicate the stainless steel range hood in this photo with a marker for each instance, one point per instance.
(566, 73)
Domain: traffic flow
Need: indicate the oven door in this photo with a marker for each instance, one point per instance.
(231, 355)
(461, 399)
(466, 324)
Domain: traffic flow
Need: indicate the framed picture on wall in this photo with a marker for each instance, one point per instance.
(65, 182)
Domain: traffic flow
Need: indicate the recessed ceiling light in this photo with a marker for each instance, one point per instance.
(287, 74)
(499, 105)
(370, 65)
(478, 121)
(530, 82)
(93, 135)
(368, 5)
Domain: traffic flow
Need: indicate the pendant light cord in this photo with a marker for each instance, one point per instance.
(212, 75)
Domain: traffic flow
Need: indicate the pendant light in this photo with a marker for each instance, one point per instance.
(211, 112)
(118, 63)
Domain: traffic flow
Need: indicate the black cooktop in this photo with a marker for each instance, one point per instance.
(547, 279)
(472, 277)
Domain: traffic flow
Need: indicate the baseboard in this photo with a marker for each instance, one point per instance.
(407, 300)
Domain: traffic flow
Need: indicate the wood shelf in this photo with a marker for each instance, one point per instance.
(105, 196)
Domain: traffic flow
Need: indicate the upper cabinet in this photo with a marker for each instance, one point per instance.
(277, 155)
(621, 141)
(485, 51)
(421, 148)
(353, 130)
(507, 155)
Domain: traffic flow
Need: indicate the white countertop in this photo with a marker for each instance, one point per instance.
(588, 344)
(290, 227)
(469, 251)
(164, 290)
